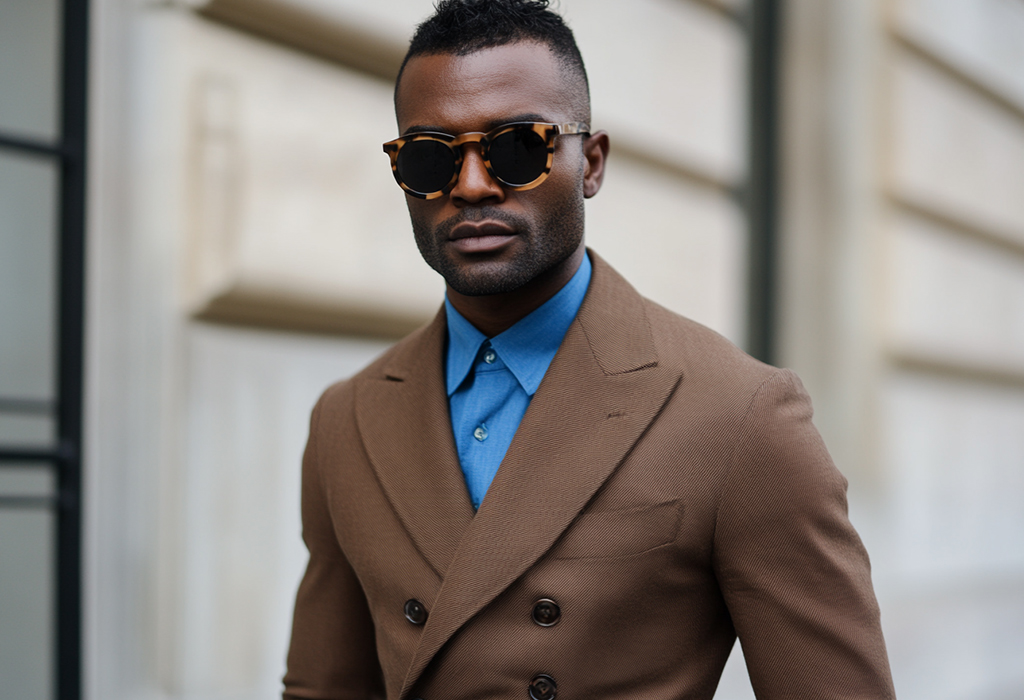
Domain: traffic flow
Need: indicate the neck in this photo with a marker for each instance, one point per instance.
(492, 314)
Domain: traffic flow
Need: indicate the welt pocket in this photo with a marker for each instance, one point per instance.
(619, 533)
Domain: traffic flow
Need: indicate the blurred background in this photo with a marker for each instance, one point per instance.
(199, 232)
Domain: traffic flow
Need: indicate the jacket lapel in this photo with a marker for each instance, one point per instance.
(403, 420)
(602, 390)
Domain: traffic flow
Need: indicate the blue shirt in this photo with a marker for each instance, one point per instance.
(490, 381)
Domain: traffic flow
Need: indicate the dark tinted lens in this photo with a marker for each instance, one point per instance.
(518, 157)
(426, 166)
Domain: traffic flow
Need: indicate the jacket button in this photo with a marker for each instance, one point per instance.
(415, 612)
(546, 612)
(543, 687)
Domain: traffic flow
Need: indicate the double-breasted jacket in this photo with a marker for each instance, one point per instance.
(664, 494)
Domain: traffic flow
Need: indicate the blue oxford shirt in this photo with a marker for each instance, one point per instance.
(490, 381)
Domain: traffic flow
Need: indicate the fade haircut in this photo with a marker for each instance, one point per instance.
(462, 27)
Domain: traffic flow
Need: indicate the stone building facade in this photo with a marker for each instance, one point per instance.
(247, 246)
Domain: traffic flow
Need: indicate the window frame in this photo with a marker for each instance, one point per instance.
(68, 153)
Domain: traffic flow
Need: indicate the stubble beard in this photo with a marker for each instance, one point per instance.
(559, 237)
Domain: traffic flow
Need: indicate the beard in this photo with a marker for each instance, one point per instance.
(546, 246)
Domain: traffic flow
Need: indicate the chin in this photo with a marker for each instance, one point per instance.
(483, 283)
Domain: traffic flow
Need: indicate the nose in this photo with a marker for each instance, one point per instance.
(475, 184)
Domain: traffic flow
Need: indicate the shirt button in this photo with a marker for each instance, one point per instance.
(490, 356)
(546, 612)
(543, 687)
(480, 433)
(415, 612)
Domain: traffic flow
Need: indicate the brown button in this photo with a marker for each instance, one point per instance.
(415, 612)
(546, 612)
(543, 687)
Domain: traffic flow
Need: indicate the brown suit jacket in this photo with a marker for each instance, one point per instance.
(665, 489)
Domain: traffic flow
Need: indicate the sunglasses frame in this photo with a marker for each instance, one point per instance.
(547, 131)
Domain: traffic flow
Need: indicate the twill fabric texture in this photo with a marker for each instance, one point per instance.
(667, 491)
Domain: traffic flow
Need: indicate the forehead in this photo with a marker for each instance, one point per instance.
(483, 89)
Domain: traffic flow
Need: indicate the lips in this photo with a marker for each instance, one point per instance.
(478, 229)
(480, 236)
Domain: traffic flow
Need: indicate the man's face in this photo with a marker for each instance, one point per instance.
(481, 237)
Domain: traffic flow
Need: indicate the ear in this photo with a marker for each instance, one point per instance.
(595, 150)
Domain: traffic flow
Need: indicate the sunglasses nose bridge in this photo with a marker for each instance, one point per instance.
(468, 137)
(475, 180)
(459, 143)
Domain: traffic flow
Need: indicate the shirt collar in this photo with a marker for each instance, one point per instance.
(528, 347)
(464, 342)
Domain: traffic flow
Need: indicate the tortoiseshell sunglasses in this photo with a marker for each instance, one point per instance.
(518, 155)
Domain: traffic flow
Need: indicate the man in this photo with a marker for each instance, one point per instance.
(659, 492)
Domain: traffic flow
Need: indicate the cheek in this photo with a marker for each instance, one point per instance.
(421, 211)
(566, 183)
(566, 177)
(421, 223)
(569, 160)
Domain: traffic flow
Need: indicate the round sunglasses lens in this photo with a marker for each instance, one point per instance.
(518, 157)
(426, 166)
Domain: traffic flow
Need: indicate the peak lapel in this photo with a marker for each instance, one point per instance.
(601, 392)
(403, 420)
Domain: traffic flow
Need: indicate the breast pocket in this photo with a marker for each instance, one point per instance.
(619, 533)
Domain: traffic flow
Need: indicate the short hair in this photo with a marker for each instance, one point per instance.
(463, 27)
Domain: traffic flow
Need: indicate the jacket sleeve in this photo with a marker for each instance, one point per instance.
(794, 574)
(333, 652)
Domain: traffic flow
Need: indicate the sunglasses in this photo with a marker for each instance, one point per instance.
(518, 155)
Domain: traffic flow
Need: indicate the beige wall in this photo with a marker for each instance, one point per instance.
(903, 309)
(238, 189)
(249, 246)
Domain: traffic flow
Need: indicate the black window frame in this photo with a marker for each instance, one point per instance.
(760, 22)
(763, 23)
(69, 154)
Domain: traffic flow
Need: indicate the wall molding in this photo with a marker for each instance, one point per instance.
(1007, 241)
(912, 359)
(975, 83)
(255, 307)
(684, 168)
(346, 40)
